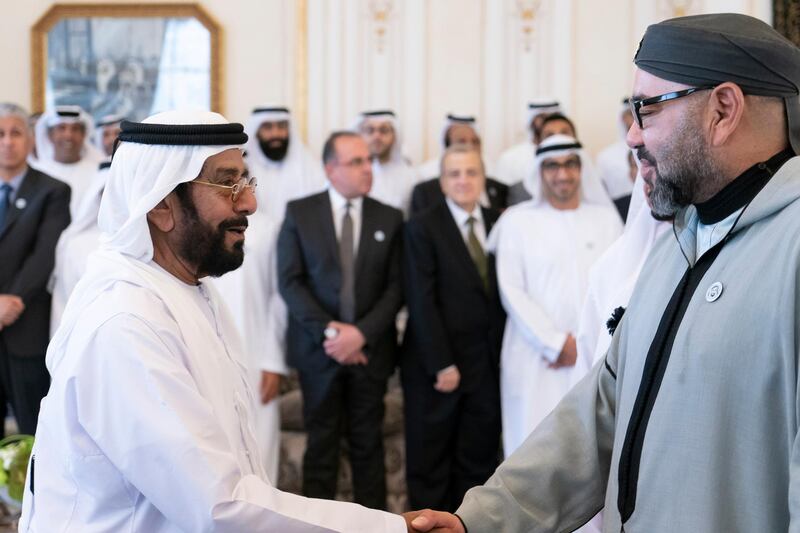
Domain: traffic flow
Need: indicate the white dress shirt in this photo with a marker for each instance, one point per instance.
(461, 217)
(338, 207)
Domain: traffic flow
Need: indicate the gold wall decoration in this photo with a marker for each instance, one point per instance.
(787, 18)
(89, 63)
(380, 12)
(679, 8)
(527, 11)
(300, 110)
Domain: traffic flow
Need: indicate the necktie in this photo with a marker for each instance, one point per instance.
(5, 202)
(477, 253)
(347, 296)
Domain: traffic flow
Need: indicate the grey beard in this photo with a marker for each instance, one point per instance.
(688, 174)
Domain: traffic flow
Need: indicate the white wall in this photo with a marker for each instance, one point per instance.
(424, 58)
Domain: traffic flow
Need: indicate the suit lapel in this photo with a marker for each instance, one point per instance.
(27, 192)
(490, 216)
(327, 225)
(368, 227)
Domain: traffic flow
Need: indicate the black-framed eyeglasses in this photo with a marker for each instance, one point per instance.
(237, 188)
(637, 105)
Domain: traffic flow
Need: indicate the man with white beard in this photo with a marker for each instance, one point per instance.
(545, 247)
(612, 161)
(516, 162)
(393, 177)
(64, 149)
(285, 168)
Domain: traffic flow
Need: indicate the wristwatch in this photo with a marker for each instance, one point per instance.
(331, 333)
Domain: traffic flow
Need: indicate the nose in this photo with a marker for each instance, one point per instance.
(634, 136)
(246, 204)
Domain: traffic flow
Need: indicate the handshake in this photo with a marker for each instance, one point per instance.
(434, 521)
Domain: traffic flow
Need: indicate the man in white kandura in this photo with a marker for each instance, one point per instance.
(457, 129)
(105, 134)
(613, 276)
(516, 162)
(545, 247)
(147, 424)
(80, 239)
(285, 168)
(64, 150)
(393, 178)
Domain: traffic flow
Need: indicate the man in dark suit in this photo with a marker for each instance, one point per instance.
(34, 210)
(339, 270)
(451, 350)
(429, 193)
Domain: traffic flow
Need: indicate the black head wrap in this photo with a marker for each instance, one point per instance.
(726, 47)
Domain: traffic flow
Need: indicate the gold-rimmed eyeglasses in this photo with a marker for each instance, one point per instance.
(236, 189)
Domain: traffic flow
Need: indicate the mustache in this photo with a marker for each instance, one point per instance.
(233, 222)
(642, 154)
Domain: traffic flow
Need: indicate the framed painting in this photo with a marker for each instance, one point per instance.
(132, 60)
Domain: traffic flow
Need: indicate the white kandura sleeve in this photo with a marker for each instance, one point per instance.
(531, 319)
(141, 406)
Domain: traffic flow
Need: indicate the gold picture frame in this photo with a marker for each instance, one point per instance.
(40, 60)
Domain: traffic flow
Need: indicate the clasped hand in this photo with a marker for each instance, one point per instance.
(347, 348)
(11, 307)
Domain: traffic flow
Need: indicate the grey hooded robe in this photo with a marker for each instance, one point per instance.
(720, 452)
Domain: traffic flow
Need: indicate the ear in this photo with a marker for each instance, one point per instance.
(725, 109)
(162, 216)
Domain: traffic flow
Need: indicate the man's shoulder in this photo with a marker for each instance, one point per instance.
(306, 202)
(43, 180)
(601, 211)
(498, 185)
(125, 299)
(430, 217)
(383, 210)
(427, 185)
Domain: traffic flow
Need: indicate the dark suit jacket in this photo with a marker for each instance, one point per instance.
(309, 279)
(622, 204)
(27, 254)
(452, 318)
(429, 193)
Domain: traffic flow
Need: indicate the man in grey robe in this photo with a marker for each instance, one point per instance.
(690, 422)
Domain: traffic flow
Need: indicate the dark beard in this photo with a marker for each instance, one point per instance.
(687, 173)
(201, 245)
(275, 149)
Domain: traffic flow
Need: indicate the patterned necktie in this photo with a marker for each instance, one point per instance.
(347, 296)
(477, 253)
(5, 202)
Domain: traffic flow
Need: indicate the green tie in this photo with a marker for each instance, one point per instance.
(477, 253)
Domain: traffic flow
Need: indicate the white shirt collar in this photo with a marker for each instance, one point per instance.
(461, 216)
(338, 201)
